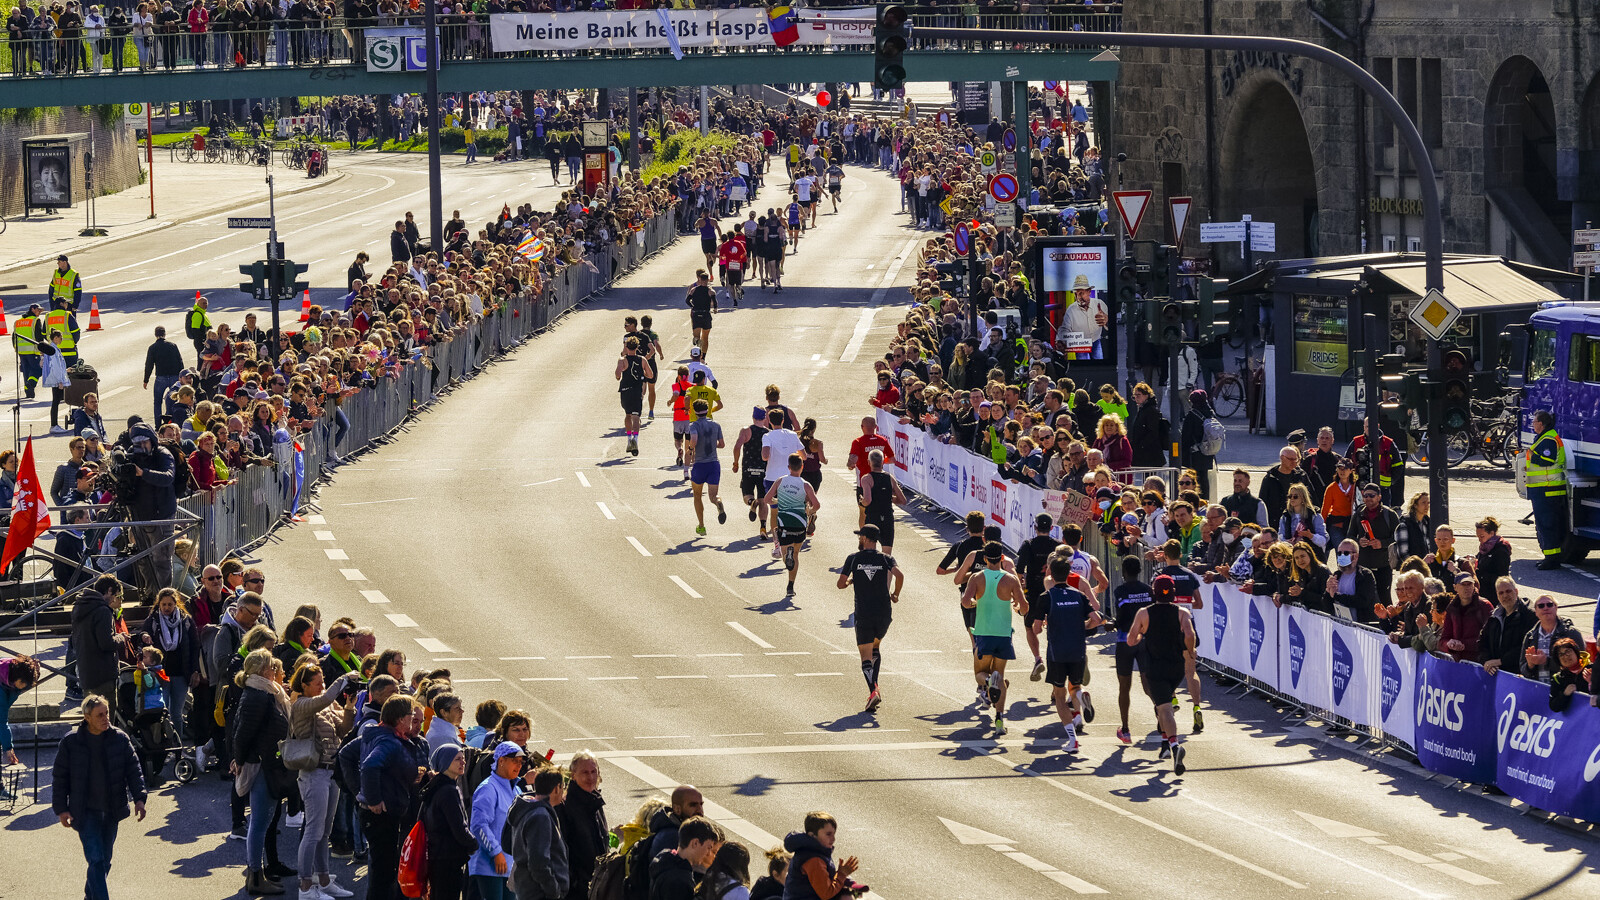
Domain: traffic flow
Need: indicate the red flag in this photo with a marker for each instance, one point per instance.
(30, 510)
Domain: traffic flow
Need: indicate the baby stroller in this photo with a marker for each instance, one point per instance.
(155, 739)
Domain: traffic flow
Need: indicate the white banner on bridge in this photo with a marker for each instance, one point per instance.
(640, 28)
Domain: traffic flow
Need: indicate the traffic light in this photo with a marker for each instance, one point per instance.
(1164, 270)
(1213, 315)
(1391, 379)
(1130, 285)
(291, 277)
(1455, 396)
(890, 37)
(256, 272)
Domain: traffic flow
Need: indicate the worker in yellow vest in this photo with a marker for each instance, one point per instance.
(61, 320)
(25, 340)
(1547, 488)
(65, 285)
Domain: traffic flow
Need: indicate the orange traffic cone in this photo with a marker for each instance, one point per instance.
(305, 308)
(94, 312)
(4, 332)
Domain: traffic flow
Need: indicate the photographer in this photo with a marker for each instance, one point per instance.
(153, 498)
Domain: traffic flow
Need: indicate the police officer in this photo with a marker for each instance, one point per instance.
(25, 340)
(1547, 488)
(65, 285)
(197, 324)
(62, 320)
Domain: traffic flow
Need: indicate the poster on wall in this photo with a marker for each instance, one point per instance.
(1075, 287)
(49, 175)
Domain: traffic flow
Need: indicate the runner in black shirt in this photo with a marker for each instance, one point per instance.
(1033, 560)
(702, 302)
(1164, 634)
(632, 370)
(871, 572)
(1188, 585)
(957, 554)
(752, 468)
(1127, 599)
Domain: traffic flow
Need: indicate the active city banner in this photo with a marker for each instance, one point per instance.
(625, 29)
(1238, 631)
(1549, 760)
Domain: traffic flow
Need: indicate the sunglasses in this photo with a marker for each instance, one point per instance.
(1369, 496)
(255, 581)
(1544, 606)
(1185, 481)
(345, 635)
(213, 578)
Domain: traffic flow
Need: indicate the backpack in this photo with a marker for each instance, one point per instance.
(636, 886)
(511, 832)
(610, 876)
(413, 874)
(1213, 435)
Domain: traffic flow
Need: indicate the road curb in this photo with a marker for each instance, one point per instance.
(133, 231)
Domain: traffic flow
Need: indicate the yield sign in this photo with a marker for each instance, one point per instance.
(1179, 208)
(1132, 205)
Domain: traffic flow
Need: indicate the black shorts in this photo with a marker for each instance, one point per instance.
(814, 479)
(708, 247)
(1161, 682)
(700, 321)
(1127, 658)
(834, 188)
(969, 616)
(1038, 607)
(752, 483)
(1058, 672)
(871, 628)
(885, 530)
(735, 277)
(632, 401)
(788, 536)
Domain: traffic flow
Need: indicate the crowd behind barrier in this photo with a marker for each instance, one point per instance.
(1459, 720)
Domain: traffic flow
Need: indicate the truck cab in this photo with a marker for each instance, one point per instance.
(1561, 373)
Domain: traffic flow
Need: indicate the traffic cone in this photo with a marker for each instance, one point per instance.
(305, 308)
(94, 312)
(4, 332)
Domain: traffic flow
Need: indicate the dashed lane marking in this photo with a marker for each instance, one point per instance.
(582, 479)
(686, 588)
(680, 677)
(544, 679)
(401, 620)
(588, 657)
(606, 511)
(317, 520)
(519, 658)
(638, 546)
(375, 596)
(352, 575)
(613, 678)
(336, 554)
(432, 645)
(751, 635)
(322, 535)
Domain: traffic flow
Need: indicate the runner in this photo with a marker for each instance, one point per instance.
(1033, 563)
(871, 571)
(681, 417)
(794, 211)
(701, 391)
(776, 445)
(1188, 587)
(652, 352)
(775, 254)
(708, 238)
(793, 159)
(955, 558)
(704, 440)
(857, 459)
(1130, 596)
(752, 471)
(1069, 617)
(806, 194)
(1086, 567)
(632, 370)
(989, 593)
(731, 258)
(695, 365)
(1164, 634)
(835, 176)
(879, 495)
(815, 460)
(702, 303)
(792, 500)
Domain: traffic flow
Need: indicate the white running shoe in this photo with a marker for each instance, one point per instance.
(1071, 744)
(313, 893)
(334, 889)
(298, 820)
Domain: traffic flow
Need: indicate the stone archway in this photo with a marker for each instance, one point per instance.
(1268, 172)
(1520, 146)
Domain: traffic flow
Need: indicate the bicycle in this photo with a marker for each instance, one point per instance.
(1227, 388)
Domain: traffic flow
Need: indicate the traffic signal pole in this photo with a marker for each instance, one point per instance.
(1427, 183)
(272, 251)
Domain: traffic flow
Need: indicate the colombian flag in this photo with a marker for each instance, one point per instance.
(781, 23)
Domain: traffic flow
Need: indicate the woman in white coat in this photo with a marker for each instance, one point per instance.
(54, 377)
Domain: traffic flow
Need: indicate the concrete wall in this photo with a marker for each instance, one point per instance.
(118, 158)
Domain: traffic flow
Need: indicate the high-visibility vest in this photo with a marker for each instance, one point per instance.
(1544, 468)
(24, 338)
(60, 321)
(62, 285)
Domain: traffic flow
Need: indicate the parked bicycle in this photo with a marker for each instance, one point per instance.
(1228, 388)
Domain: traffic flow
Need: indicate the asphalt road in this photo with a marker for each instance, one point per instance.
(506, 535)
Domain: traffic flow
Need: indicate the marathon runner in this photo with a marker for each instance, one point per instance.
(871, 571)
(652, 352)
(792, 501)
(835, 176)
(708, 238)
(731, 260)
(702, 303)
(1033, 563)
(752, 470)
(1070, 616)
(879, 495)
(993, 594)
(775, 254)
(681, 417)
(956, 557)
(1188, 586)
(1130, 596)
(1163, 632)
(632, 370)
(805, 191)
(793, 212)
(695, 365)
(704, 440)
(698, 391)
(1086, 567)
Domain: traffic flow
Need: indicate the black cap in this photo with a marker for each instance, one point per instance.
(1297, 436)
(1043, 522)
(1164, 589)
(992, 551)
(870, 532)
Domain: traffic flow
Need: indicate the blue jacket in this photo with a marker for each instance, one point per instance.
(8, 696)
(490, 803)
(388, 770)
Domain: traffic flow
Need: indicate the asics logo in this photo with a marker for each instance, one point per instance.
(1532, 732)
(1439, 707)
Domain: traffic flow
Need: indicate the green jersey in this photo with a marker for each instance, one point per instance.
(790, 501)
(992, 617)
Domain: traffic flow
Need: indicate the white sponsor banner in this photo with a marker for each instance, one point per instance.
(1303, 664)
(624, 29)
(1238, 631)
(1354, 657)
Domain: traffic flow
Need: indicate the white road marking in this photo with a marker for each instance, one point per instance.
(581, 479)
(322, 535)
(588, 657)
(864, 325)
(375, 596)
(544, 679)
(335, 553)
(685, 585)
(546, 481)
(120, 324)
(715, 812)
(916, 651)
(371, 502)
(457, 659)
(761, 675)
(638, 546)
(317, 520)
(614, 678)
(107, 395)
(474, 680)
(790, 653)
(679, 677)
(401, 620)
(661, 737)
(815, 674)
(605, 511)
(588, 739)
(352, 575)
(816, 356)
(433, 645)
(518, 658)
(713, 655)
(655, 656)
(751, 635)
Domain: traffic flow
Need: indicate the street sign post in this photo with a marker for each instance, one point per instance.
(1589, 259)
(1003, 187)
(1586, 259)
(963, 237)
(1008, 162)
(1131, 205)
(1005, 215)
(249, 222)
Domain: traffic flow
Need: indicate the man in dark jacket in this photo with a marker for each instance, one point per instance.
(687, 802)
(155, 498)
(163, 360)
(399, 247)
(1538, 658)
(95, 638)
(1276, 482)
(95, 773)
(1144, 432)
(583, 823)
(388, 786)
(1500, 642)
(675, 872)
(538, 851)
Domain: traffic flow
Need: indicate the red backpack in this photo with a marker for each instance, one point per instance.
(414, 862)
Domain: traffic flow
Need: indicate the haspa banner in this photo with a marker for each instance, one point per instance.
(626, 29)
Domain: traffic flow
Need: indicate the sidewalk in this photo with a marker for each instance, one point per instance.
(184, 191)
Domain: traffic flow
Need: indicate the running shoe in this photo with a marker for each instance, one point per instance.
(1071, 743)
(722, 514)
(1178, 754)
(237, 834)
(1199, 721)
(999, 727)
(1038, 670)
(652, 415)
(633, 446)
(700, 530)
(775, 553)
(1124, 736)
(1166, 750)
(753, 518)
(983, 697)
(873, 699)
(1088, 706)
(776, 290)
(790, 592)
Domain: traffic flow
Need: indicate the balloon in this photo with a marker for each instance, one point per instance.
(823, 97)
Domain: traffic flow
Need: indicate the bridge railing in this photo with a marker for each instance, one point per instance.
(340, 41)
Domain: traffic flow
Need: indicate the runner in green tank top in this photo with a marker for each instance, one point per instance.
(792, 501)
(993, 595)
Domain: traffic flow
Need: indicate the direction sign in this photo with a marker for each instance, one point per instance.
(1008, 162)
(963, 238)
(1221, 232)
(1005, 215)
(1586, 259)
(1131, 205)
(1178, 208)
(1435, 315)
(1586, 237)
(1003, 187)
(249, 222)
(989, 161)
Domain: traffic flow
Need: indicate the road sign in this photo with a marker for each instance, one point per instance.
(1435, 315)
(1051, 85)
(134, 112)
(1263, 235)
(1003, 187)
(963, 238)
(1009, 140)
(989, 161)
(385, 54)
(1131, 205)
(1352, 396)
(1005, 215)
(1178, 208)
(416, 54)
(1008, 162)
(1586, 259)
(249, 222)
(1586, 237)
